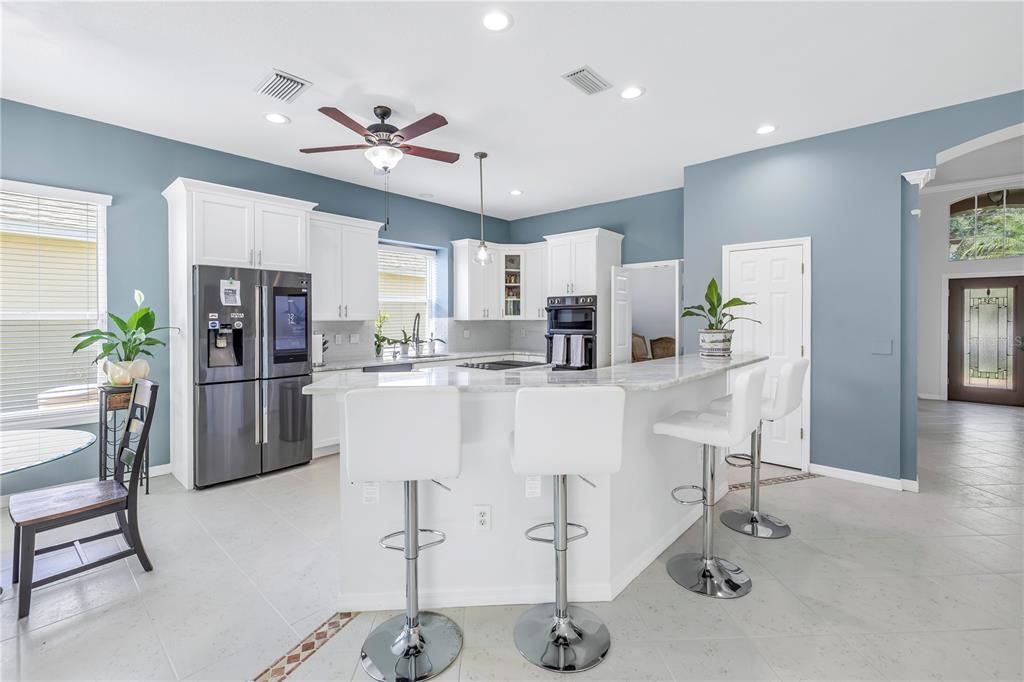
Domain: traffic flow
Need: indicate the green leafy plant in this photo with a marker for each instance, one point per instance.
(406, 339)
(379, 339)
(714, 313)
(129, 340)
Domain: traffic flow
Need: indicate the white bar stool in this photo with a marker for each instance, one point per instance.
(426, 445)
(706, 573)
(788, 396)
(562, 431)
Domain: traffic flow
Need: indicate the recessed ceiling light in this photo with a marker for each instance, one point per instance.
(516, 192)
(426, 195)
(766, 129)
(497, 21)
(632, 92)
(277, 118)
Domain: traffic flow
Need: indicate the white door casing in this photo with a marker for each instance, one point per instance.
(775, 276)
(622, 316)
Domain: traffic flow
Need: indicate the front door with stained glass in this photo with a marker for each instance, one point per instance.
(986, 348)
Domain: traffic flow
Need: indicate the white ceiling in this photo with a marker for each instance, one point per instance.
(712, 71)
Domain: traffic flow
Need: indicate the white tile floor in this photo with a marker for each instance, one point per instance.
(872, 585)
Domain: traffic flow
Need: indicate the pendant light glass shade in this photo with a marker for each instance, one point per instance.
(483, 254)
(384, 157)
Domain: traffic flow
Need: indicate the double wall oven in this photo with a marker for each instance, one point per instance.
(572, 320)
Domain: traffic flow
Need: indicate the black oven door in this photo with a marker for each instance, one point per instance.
(571, 320)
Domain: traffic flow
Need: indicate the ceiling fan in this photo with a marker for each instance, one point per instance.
(385, 143)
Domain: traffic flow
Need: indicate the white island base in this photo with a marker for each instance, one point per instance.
(630, 515)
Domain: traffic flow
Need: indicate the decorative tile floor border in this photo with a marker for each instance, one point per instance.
(802, 476)
(286, 665)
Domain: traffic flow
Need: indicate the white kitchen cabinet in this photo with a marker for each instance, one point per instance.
(245, 229)
(477, 287)
(573, 263)
(343, 262)
(326, 414)
(560, 266)
(535, 282)
(222, 230)
(281, 233)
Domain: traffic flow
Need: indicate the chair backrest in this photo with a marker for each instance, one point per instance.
(403, 433)
(141, 412)
(568, 430)
(663, 347)
(639, 350)
(789, 391)
(745, 412)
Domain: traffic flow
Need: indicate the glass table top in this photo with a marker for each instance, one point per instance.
(24, 448)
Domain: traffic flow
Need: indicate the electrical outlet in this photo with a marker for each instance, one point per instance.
(465, 333)
(482, 517)
(522, 332)
(338, 339)
(353, 338)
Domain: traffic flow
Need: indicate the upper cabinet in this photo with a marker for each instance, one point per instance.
(477, 287)
(239, 228)
(343, 262)
(535, 281)
(576, 260)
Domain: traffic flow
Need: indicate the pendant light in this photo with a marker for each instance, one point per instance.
(483, 255)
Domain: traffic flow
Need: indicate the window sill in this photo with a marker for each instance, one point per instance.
(52, 419)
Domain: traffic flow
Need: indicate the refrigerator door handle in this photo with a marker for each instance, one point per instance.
(264, 420)
(257, 421)
(264, 366)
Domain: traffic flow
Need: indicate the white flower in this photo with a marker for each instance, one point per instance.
(139, 298)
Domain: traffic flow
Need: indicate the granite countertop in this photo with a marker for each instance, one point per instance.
(640, 376)
(387, 360)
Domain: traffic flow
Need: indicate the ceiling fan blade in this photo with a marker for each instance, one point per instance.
(424, 125)
(341, 148)
(428, 153)
(344, 120)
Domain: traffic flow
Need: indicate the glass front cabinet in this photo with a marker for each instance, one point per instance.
(512, 284)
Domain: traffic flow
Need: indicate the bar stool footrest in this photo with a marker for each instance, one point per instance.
(572, 538)
(699, 500)
(383, 542)
(746, 460)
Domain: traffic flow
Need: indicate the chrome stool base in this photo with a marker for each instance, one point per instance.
(712, 577)
(571, 644)
(755, 524)
(393, 652)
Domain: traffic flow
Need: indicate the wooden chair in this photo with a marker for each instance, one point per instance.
(41, 510)
(663, 347)
(639, 351)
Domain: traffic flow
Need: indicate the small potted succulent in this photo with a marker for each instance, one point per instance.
(716, 337)
(432, 344)
(125, 345)
(403, 344)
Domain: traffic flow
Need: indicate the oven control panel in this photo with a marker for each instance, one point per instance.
(560, 301)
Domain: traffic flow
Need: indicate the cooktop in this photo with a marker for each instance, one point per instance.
(501, 364)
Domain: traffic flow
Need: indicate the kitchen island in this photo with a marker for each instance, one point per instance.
(630, 515)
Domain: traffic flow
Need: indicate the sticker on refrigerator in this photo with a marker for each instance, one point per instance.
(229, 292)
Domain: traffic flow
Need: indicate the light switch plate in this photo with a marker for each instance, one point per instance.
(465, 333)
(881, 346)
(339, 339)
(353, 338)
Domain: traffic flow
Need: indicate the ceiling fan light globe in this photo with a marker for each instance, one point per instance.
(384, 157)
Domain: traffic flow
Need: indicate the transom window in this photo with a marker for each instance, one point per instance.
(987, 225)
(52, 285)
(406, 287)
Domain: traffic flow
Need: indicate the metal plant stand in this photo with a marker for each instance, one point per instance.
(115, 404)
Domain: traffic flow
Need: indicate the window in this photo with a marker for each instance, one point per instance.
(406, 279)
(52, 285)
(988, 225)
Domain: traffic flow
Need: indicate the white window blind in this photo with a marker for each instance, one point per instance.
(406, 279)
(52, 285)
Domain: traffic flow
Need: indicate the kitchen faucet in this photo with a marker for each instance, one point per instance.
(416, 333)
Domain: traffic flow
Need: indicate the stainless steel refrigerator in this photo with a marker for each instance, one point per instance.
(252, 358)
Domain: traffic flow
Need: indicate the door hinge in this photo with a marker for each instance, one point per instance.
(801, 268)
(801, 433)
(801, 350)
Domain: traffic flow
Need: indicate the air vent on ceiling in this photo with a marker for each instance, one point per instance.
(587, 80)
(282, 86)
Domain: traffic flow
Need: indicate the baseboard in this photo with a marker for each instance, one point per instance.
(930, 396)
(159, 470)
(869, 479)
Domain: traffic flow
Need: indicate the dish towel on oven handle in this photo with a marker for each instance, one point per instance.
(576, 351)
(558, 349)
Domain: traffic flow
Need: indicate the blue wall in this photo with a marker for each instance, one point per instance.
(51, 148)
(844, 191)
(909, 254)
(651, 223)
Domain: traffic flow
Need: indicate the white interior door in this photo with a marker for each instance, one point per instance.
(622, 317)
(771, 277)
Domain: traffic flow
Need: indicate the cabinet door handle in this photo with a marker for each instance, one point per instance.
(250, 257)
(259, 257)
(339, 310)
(346, 311)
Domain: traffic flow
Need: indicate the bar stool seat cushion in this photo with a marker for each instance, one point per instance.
(403, 434)
(699, 427)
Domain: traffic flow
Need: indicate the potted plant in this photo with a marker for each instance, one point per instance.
(379, 340)
(432, 344)
(125, 345)
(403, 344)
(716, 338)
